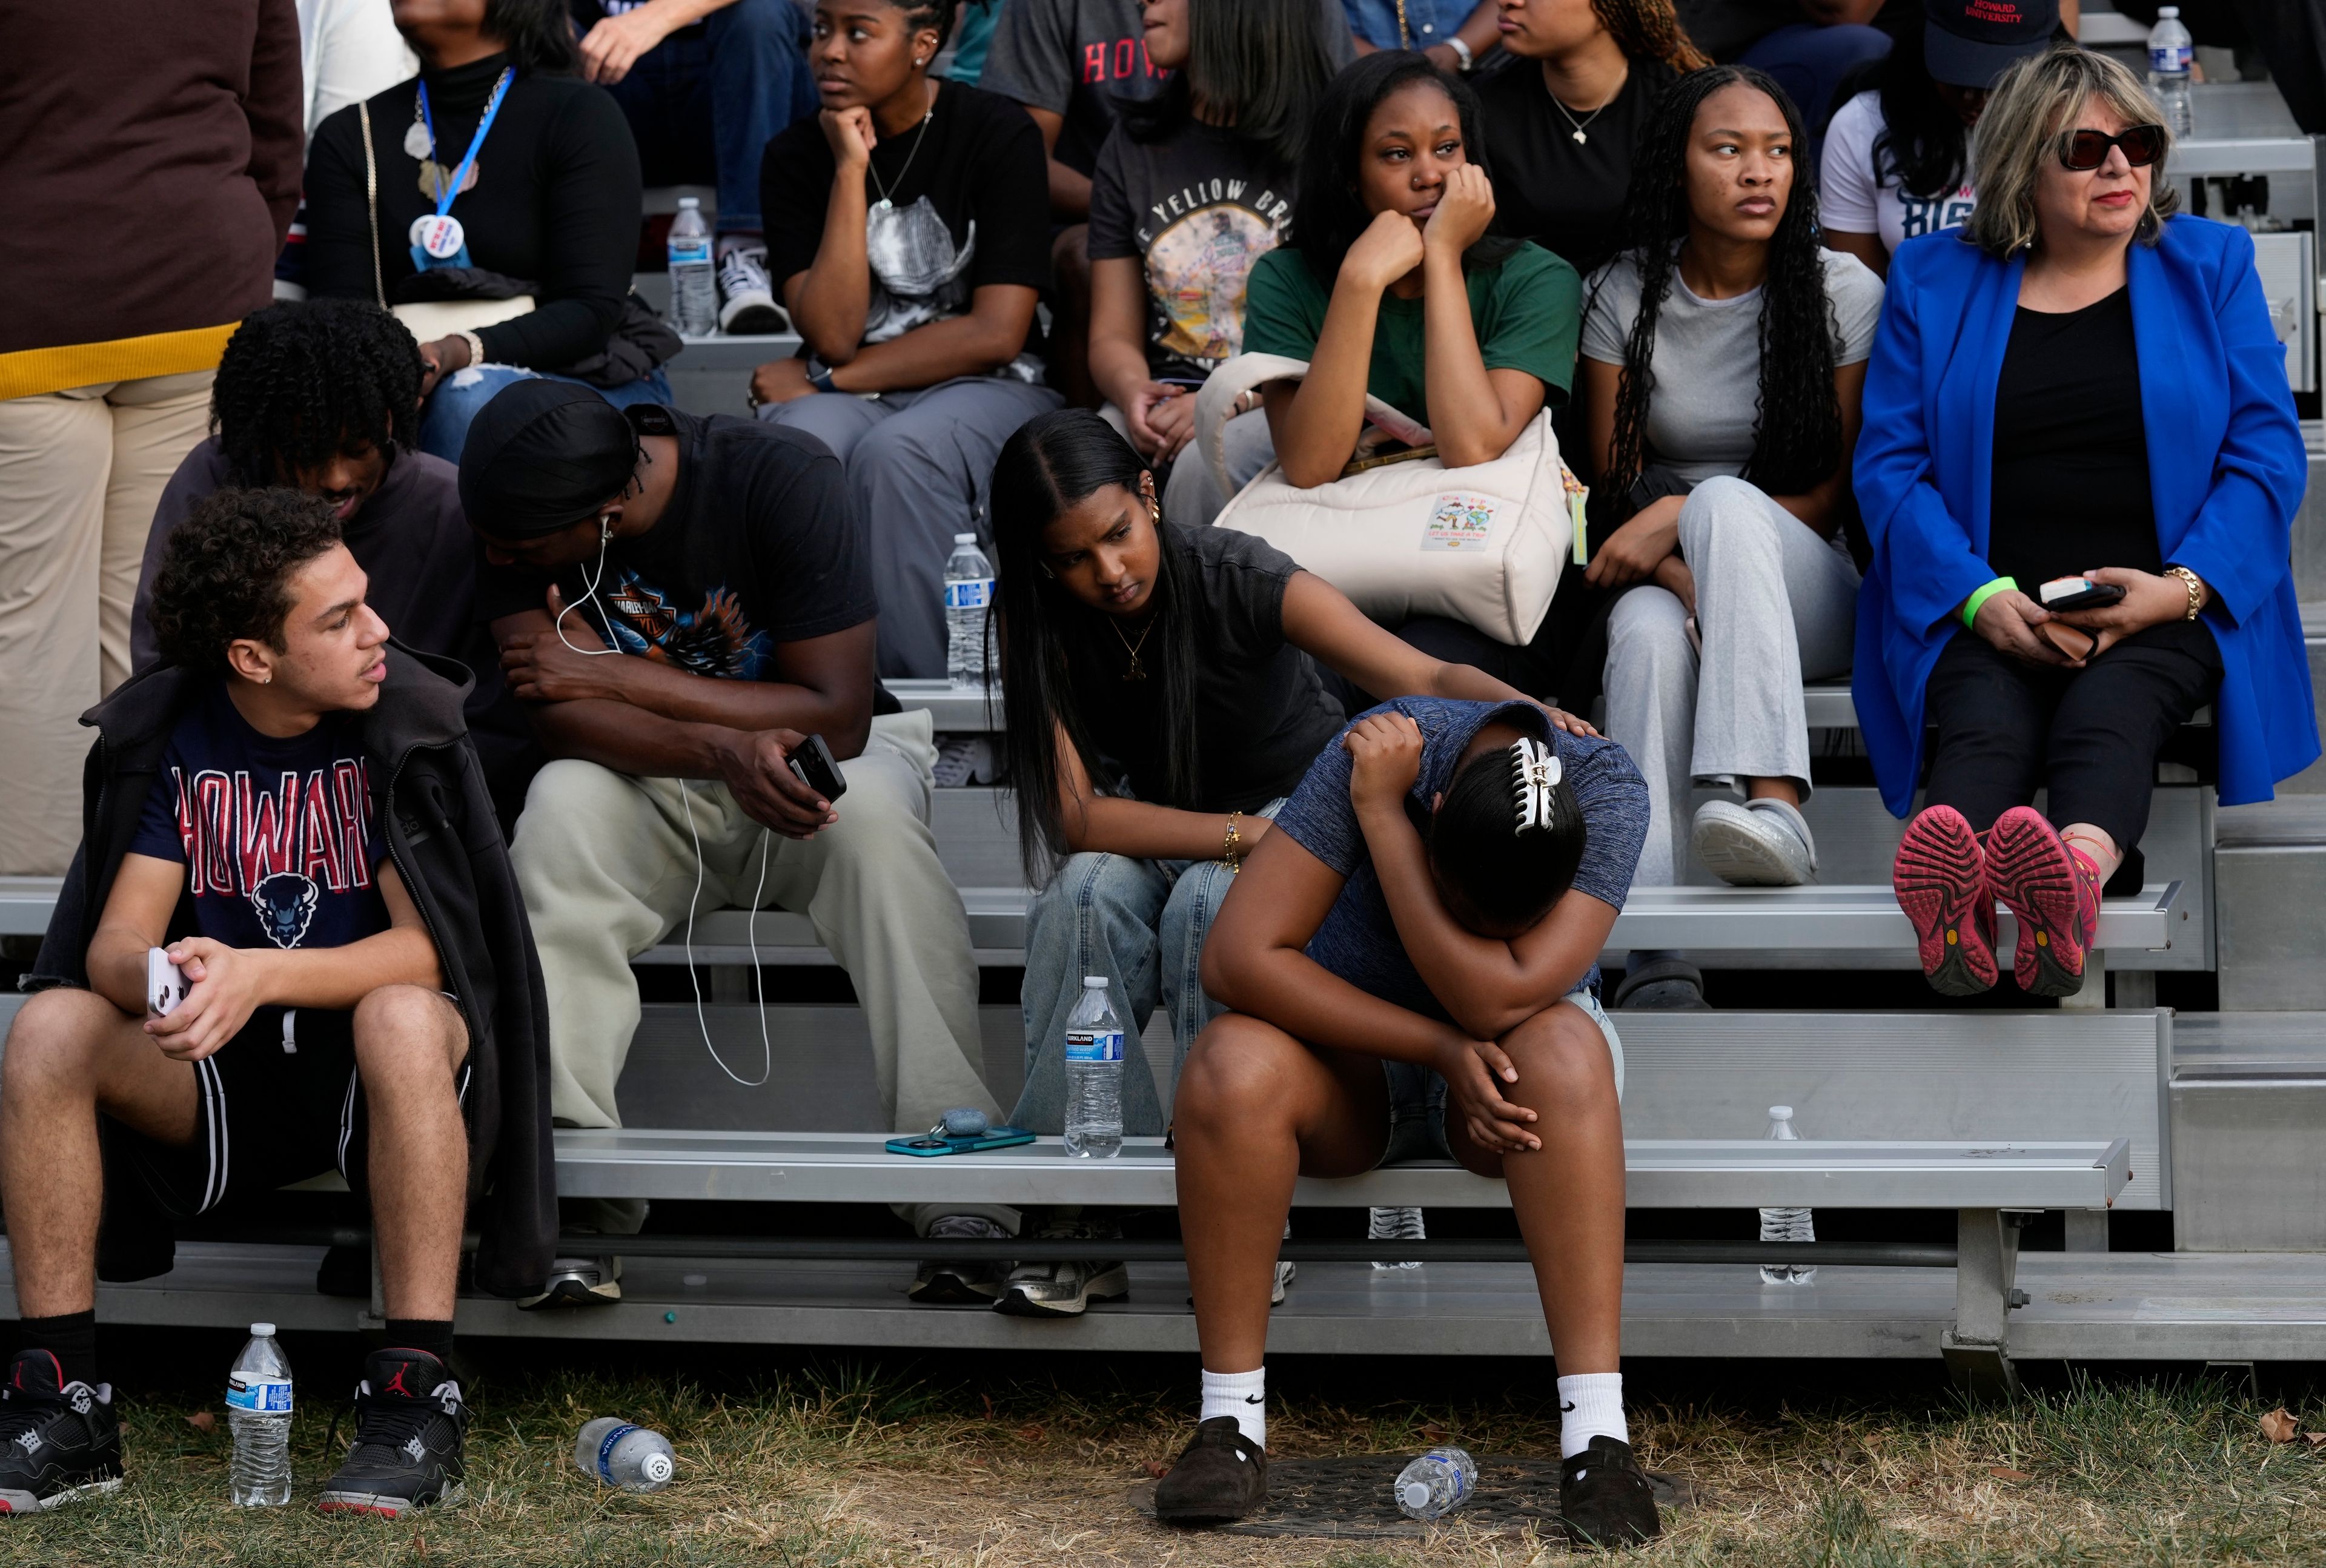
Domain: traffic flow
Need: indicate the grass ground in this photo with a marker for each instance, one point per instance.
(992, 1462)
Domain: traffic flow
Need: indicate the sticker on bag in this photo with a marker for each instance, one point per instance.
(1459, 521)
(270, 1396)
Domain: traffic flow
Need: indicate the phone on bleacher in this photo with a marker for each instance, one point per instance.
(929, 1146)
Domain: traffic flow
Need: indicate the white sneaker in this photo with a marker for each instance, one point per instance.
(748, 302)
(1762, 843)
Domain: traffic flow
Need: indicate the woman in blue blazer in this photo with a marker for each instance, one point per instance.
(2078, 384)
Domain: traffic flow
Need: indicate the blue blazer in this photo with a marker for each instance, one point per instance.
(2226, 469)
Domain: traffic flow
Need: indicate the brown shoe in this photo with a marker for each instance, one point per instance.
(1221, 1476)
(1604, 1499)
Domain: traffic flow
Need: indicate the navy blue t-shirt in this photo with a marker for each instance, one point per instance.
(279, 837)
(1358, 940)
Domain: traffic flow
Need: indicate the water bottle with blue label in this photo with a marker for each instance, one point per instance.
(1435, 1484)
(2170, 51)
(693, 290)
(1093, 1075)
(616, 1452)
(968, 591)
(258, 1411)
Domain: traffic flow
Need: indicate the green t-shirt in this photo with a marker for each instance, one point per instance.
(1528, 312)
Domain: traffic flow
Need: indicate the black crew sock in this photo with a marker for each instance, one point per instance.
(71, 1338)
(434, 1335)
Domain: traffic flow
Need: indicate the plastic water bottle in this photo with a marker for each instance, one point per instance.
(2170, 50)
(616, 1452)
(1786, 1224)
(1435, 1484)
(694, 286)
(1093, 1075)
(968, 591)
(1394, 1225)
(258, 1410)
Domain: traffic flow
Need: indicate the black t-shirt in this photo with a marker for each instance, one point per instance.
(758, 547)
(967, 205)
(2070, 475)
(1197, 207)
(555, 203)
(279, 836)
(1261, 715)
(1074, 59)
(1725, 29)
(1567, 196)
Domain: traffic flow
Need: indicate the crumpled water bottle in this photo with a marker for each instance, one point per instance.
(1435, 1484)
(616, 1452)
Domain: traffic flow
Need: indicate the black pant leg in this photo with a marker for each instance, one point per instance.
(1992, 713)
(2114, 719)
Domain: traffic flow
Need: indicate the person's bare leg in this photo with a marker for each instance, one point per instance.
(409, 1044)
(1254, 1109)
(2097, 843)
(1568, 1194)
(1773, 789)
(69, 1054)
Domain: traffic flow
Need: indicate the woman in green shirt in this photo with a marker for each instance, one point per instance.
(1393, 286)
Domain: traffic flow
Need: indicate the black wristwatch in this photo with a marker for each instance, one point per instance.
(819, 374)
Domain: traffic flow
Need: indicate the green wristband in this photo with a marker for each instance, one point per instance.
(1970, 605)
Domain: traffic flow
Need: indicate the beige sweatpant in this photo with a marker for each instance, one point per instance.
(81, 473)
(606, 865)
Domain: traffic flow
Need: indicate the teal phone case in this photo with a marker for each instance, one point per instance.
(999, 1138)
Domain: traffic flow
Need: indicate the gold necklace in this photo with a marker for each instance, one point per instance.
(1137, 671)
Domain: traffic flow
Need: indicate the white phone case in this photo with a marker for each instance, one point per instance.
(165, 983)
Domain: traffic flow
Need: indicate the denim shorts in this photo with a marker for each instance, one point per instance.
(1417, 1096)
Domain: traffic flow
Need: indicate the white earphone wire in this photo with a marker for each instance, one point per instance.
(589, 596)
(752, 927)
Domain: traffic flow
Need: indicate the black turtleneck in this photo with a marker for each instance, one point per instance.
(555, 202)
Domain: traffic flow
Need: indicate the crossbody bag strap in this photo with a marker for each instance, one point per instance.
(371, 200)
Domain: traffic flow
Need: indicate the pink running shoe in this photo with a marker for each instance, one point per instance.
(2055, 892)
(1940, 876)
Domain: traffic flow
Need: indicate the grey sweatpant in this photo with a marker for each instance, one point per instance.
(919, 464)
(1774, 604)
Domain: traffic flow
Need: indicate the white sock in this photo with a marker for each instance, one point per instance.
(1244, 1396)
(1589, 1406)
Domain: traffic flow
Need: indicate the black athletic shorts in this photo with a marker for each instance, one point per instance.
(280, 1103)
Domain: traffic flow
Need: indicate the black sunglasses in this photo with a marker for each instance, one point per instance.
(2086, 150)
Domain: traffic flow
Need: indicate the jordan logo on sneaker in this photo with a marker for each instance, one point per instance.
(395, 1384)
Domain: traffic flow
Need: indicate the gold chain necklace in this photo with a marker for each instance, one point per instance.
(1137, 671)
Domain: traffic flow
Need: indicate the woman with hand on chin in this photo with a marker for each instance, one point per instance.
(2078, 384)
(909, 236)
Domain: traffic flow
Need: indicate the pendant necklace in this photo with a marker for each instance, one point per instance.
(1137, 671)
(882, 186)
(1579, 124)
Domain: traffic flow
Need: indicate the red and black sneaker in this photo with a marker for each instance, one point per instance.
(407, 1450)
(1940, 878)
(58, 1441)
(2055, 892)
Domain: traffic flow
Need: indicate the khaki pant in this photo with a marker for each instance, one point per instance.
(81, 473)
(606, 865)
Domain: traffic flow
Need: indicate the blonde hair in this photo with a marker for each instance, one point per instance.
(2029, 116)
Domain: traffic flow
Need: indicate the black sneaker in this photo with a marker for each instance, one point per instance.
(58, 1441)
(1221, 1476)
(407, 1452)
(959, 1282)
(1604, 1499)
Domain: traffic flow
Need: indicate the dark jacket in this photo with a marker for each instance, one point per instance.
(437, 819)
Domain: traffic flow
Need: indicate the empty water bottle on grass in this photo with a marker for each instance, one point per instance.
(693, 283)
(1786, 1224)
(616, 1452)
(1394, 1225)
(2170, 52)
(1435, 1484)
(1093, 1075)
(258, 1412)
(968, 591)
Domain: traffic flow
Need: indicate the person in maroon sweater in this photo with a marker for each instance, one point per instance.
(153, 167)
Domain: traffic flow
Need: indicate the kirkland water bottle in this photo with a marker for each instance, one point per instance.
(616, 1452)
(258, 1411)
(1786, 1224)
(2170, 50)
(1435, 1484)
(968, 591)
(1393, 1225)
(694, 286)
(1093, 1075)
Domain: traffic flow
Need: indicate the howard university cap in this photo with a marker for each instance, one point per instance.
(543, 455)
(1971, 42)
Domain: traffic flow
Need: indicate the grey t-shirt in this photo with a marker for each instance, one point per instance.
(1708, 359)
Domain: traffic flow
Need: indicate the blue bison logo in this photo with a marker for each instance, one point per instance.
(285, 903)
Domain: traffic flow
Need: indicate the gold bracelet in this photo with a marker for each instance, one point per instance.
(2194, 584)
(1232, 845)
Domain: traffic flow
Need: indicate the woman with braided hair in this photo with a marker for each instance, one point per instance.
(1568, 117)
(1723, 356)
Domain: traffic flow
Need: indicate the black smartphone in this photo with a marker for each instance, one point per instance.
(2076, 593)
(812, 765)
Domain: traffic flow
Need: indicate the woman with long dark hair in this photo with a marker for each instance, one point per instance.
(1194, 187)
(1897, 156)
(1724, 353)
(1163, 697)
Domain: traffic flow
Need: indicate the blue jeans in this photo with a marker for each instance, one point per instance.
(444, 417)
(1141, 924)
(1808, 62)
(704, 108)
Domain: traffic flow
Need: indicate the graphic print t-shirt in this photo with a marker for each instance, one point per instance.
(1854, 199)
(757, 547)
(279, 836)
(1197, 207)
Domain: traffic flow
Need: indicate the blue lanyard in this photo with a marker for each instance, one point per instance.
(452, 186)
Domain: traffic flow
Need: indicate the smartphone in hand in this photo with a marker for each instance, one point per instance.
(2076, 593)
(811, 762)
(165, 984)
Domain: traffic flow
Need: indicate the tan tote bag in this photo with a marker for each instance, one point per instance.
(1403, 534)
(428, 320)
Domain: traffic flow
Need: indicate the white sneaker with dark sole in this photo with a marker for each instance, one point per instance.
(1061, 1290)
(1762, 843)
(747, 300)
